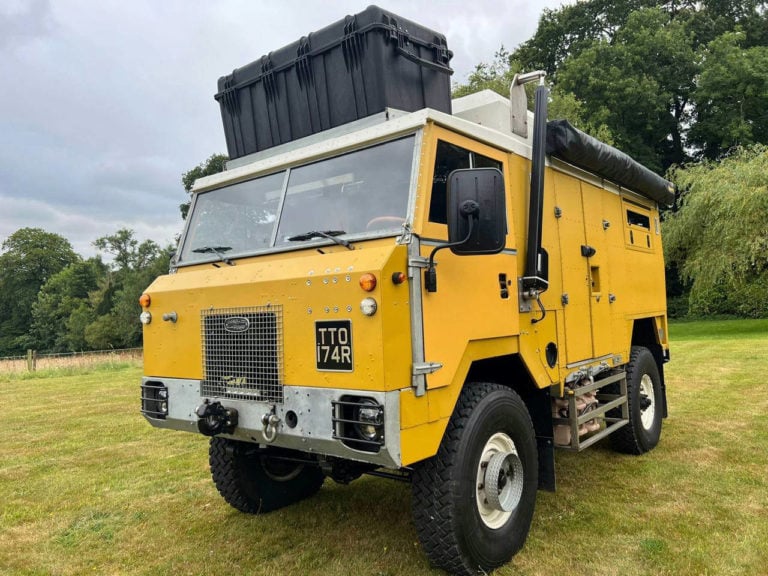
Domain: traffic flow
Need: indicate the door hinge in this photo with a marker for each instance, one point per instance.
(426, 368)
(419, 373)
(418, 262)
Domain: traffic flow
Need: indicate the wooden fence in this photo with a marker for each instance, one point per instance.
(35, 361)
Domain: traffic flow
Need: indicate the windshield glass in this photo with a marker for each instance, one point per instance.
(360, 192)
(233, 220)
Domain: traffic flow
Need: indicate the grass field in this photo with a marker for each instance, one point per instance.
(87, 487)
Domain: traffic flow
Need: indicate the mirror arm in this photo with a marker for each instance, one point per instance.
(430, 275)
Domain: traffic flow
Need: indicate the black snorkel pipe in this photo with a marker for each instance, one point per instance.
(536, 277)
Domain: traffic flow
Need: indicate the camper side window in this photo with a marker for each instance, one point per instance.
(638, 228)
(637, 219)
(450, 157)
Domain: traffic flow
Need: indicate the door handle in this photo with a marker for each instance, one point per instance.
(587, 251)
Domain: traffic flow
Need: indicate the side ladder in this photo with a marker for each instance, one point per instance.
(606, 402)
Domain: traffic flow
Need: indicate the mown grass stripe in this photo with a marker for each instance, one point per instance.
(88, 487)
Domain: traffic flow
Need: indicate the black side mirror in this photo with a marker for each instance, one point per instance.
(478, 194)
(477, 216)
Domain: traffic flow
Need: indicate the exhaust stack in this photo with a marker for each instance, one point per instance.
(536, 277)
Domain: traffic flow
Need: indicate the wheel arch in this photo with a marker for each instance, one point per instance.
(509, 370)
(644, 333)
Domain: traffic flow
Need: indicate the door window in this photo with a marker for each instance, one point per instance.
(450, 157)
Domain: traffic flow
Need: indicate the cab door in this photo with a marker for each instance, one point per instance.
(476, 297)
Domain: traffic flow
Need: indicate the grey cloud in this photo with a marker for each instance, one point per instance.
(24, 21)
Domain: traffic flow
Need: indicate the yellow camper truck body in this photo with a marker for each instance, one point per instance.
(411, 357)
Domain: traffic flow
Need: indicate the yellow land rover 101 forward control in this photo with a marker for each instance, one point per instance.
(435, 297)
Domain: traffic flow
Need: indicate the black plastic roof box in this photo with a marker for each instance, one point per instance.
(353, 68)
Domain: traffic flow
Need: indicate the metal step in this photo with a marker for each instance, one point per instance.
(607, 402)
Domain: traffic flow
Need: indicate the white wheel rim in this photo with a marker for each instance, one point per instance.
(648, 415)
(492, 517)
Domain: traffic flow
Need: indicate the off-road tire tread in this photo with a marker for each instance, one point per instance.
(227, 477)
(625, 439)
(431, 499)
(230, 478)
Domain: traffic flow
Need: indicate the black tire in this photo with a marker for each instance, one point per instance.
(644, 394)
(255, 483)
(451, 527)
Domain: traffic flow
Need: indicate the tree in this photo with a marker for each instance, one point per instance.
(567, 31)
(633, 67)
(732, 96)
(59, 298)
(30, 256)
(718, 238)
(76, 325)
(115, 302)
(128, 253)
(125, 310)
(645, 80)
(213, 165)
(498, 76)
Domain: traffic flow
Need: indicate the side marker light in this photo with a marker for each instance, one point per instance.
(398, 277)
(368, 282)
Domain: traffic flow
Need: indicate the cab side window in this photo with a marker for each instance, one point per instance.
(450, 157)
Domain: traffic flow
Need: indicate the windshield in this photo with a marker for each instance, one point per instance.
(365, 191)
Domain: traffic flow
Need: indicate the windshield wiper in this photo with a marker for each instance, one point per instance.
(330, 234)
(218, 251)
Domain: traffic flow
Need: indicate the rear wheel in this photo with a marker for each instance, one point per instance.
(473, 502)
(252, 481)
(645, 405)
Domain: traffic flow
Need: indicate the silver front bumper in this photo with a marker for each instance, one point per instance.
(313, 432)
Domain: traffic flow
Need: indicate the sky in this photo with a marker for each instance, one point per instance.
(105, 103)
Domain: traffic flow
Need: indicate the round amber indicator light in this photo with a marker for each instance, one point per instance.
(368, 282)
(145, 300)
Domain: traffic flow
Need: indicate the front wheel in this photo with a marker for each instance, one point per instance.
(473, 502)
(254, 482)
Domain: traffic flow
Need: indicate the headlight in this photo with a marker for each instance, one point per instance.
(154, 400)
(162, 396)
(359, 422)
(368, 306)
(369, 418)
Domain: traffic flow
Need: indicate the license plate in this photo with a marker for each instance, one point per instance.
(333, 345)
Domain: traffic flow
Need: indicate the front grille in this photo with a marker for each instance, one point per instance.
(243, 353)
